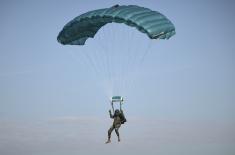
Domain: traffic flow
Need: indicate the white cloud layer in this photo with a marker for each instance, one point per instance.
(86, 135)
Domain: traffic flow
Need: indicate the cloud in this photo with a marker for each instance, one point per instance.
(86, 135)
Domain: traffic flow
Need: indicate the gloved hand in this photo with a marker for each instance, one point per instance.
(110, 111)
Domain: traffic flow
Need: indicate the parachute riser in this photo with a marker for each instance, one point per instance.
(117, 100)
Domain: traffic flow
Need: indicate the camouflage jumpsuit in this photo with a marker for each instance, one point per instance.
(116, 123)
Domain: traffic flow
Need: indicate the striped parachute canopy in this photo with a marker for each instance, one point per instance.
(85, 26)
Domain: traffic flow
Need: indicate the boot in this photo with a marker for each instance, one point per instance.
(108, 141)
(119, 139)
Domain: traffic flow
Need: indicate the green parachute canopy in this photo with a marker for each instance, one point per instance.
(85, 26)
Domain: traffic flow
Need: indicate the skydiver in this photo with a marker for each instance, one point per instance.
(118, 120)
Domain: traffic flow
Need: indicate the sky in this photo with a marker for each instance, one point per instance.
(179, 99)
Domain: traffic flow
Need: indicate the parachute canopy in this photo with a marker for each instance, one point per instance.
(85, 26)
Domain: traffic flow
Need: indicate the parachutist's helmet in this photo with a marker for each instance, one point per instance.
(116, 112)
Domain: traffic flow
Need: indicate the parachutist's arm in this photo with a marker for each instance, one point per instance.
(110, 114)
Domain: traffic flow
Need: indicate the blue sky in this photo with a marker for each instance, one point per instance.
(187, 79)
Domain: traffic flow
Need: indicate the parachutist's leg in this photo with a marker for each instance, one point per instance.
(109, 134)
(110, 131)
(117, 133)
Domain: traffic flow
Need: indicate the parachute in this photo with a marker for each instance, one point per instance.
(150, 23)
(85, 26)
